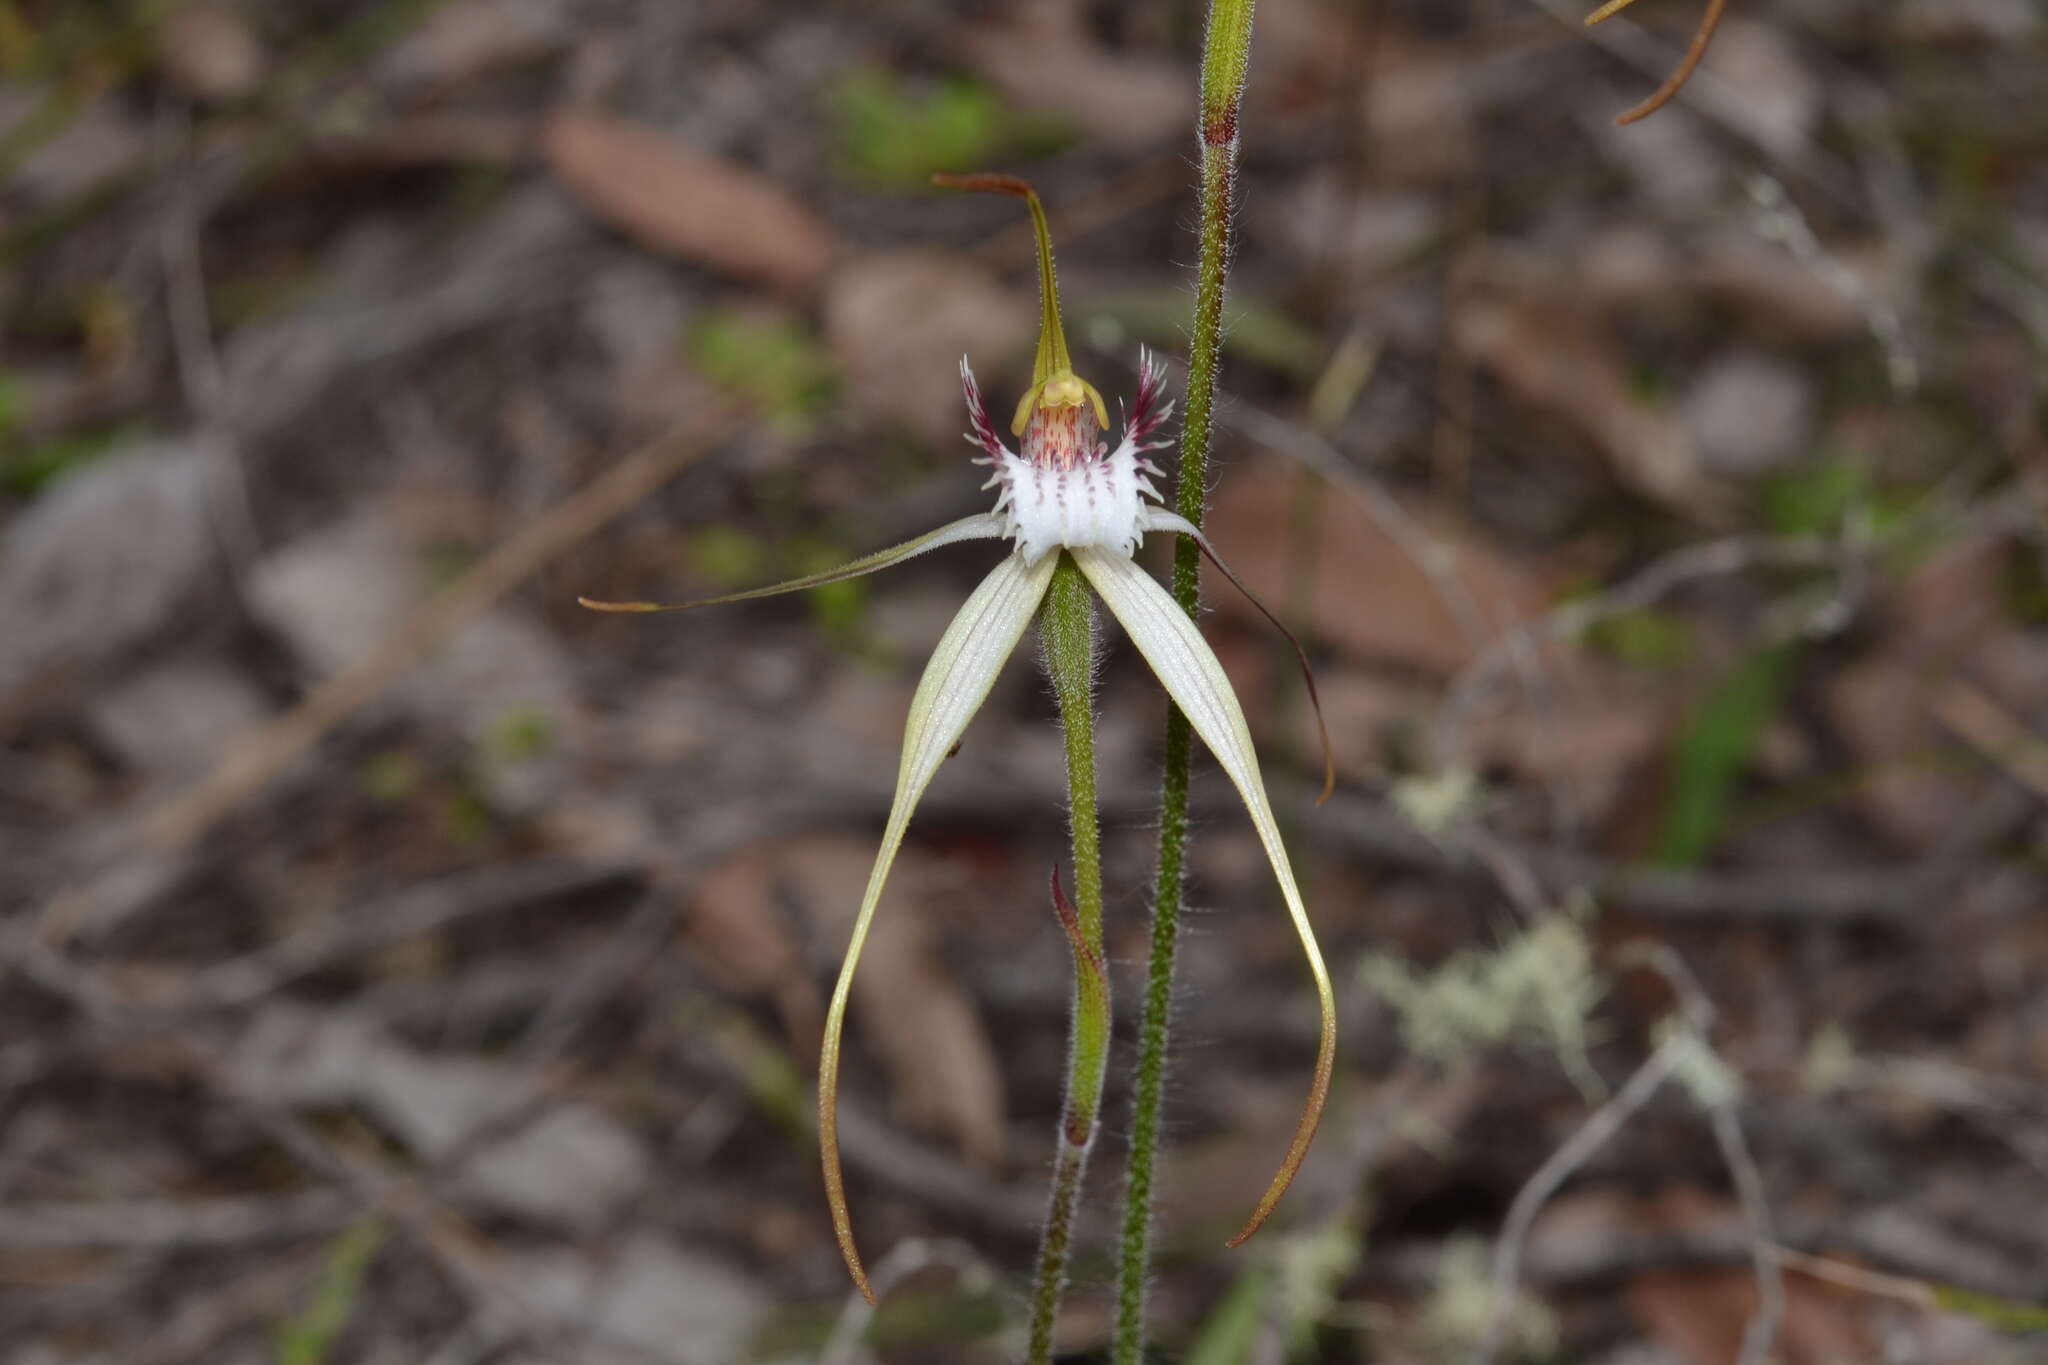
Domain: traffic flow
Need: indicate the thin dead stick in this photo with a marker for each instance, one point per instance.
(1732, 555)
(200, 372)
(1375, 828)
(1436, 561)
(1996, 733)
(1874, 1282)
(1702, 39)
(253, 763)
(1575, 1151)
(174, 1225)
(411, 913)
(1695, 1018)
(1760, 1334)
(844, 1346)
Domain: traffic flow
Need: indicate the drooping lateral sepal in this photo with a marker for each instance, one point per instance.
(955, 683)
(1159, 519)
(1189, 671)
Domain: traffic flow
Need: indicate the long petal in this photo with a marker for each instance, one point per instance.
(1159, 519)
(981, 526)
(955, 683)
(1188, 669)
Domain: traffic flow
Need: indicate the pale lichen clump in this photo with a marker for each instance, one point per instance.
(1538, 988)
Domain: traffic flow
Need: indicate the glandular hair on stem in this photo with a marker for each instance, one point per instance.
(1045, 659)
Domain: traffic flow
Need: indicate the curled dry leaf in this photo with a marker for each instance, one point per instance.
(671, 197)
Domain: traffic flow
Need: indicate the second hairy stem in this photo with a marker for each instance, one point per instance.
(1067, 628)
(1226, 57)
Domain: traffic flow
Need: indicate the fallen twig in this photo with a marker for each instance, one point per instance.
(253, 763)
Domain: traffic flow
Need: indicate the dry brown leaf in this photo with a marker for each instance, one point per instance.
(1967, 22)
(1943, 627)
(675, 199)
(432, 140)
(1782, 296)
(471, 38)
(1637, 270)
(1369, 597)
(1420, 112)
(746, 946)
(905, 1003)
(1546, 349)
(1418, 97)
(1701, 1314)
(1698, 1313)
(1595, 724)
(1773, 96)
(899, 323)
(1043, 57)
(210, 52)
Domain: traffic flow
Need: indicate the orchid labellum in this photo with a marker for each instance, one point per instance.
(1063, 491)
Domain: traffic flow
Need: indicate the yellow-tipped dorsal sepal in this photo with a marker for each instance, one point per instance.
(1053, 381)
(1064, 390)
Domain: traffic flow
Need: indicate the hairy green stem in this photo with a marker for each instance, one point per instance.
(1226, 57)
(1066, 625)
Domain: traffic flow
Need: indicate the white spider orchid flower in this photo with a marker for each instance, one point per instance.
(1064, 490)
